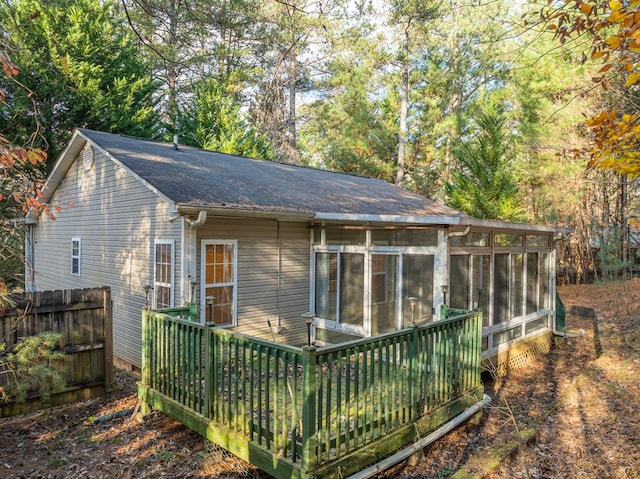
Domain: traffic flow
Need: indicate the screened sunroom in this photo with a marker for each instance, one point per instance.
(370, 280)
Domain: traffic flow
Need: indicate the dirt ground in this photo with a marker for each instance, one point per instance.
(584, 409)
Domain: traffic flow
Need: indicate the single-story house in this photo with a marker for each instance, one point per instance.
(256, 244)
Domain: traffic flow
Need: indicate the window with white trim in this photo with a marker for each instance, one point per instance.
(163, 276)
(76, 256)
(219, 276)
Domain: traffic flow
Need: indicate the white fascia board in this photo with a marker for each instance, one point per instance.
(505, 225)
(162, 196)
(241, 213)
(62, 165)
(397, 219)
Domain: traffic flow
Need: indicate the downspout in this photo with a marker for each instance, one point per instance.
(279, 246)
(191, 255)
(555, 331)
(29, 253)
(447, 255)
(29, 259)
(460, 233)
(422, 443)
(199, 221)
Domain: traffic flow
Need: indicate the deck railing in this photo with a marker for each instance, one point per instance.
(309, 407)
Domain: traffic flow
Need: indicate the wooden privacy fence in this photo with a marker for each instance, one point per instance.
(307, 412)
(83, 317)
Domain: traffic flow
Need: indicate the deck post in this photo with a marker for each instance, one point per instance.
(309, 391)
(477, 352)
(415, 359)
(208, 369)
(146, 357)
(146, 347)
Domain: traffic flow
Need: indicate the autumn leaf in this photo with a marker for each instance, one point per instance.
(613, 42)
(632, 79)
(586, 8)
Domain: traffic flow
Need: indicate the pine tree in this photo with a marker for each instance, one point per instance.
(80, 67)
(483, 183)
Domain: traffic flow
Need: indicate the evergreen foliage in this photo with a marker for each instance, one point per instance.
(214, 121)
(27, 367)
(483, 184)
(78, 68)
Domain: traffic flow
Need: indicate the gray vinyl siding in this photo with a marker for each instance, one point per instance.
(117, 219)
(258, 299)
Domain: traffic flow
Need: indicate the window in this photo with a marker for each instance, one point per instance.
(505, 239)
(469, 277)
(326, 285)
(76, 256)
(419, 237)
(544, 289)
(383, 293)
(352, 288)
(219, 281)
(417, 282)
(163, 274)
(459, 272)
(475, 240)
(532, 283)
(501, 289)
(541, 241)
(369, 281)
(345, 236)
(340, 287)
(517, 295)
(381, 274)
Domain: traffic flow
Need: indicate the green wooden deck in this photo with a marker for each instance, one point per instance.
(307, 412)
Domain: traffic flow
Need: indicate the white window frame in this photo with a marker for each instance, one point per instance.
(171, 284)
(75, 256)
(204, 285)
(368, 250)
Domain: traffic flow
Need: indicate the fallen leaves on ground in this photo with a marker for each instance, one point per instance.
(583, 408)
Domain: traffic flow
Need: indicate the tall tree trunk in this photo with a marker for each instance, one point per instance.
(404, 108)
(624, 229)
(170, 65)
(292, 68)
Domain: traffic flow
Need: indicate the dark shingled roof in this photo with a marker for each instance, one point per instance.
(190, 176)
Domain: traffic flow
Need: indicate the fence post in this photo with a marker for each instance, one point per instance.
(108, 337)
(309, 451)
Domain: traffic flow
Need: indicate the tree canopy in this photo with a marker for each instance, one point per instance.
(612, 30)
(480, 105)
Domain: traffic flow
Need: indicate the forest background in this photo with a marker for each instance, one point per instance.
(519, 111)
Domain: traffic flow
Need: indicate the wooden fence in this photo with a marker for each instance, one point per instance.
(303, 412)
(83, 318)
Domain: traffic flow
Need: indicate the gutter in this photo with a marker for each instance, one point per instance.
(460, 233)
(199, 221)
(422, 443)
(400, 219)
(241, 213)
(505, 225)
